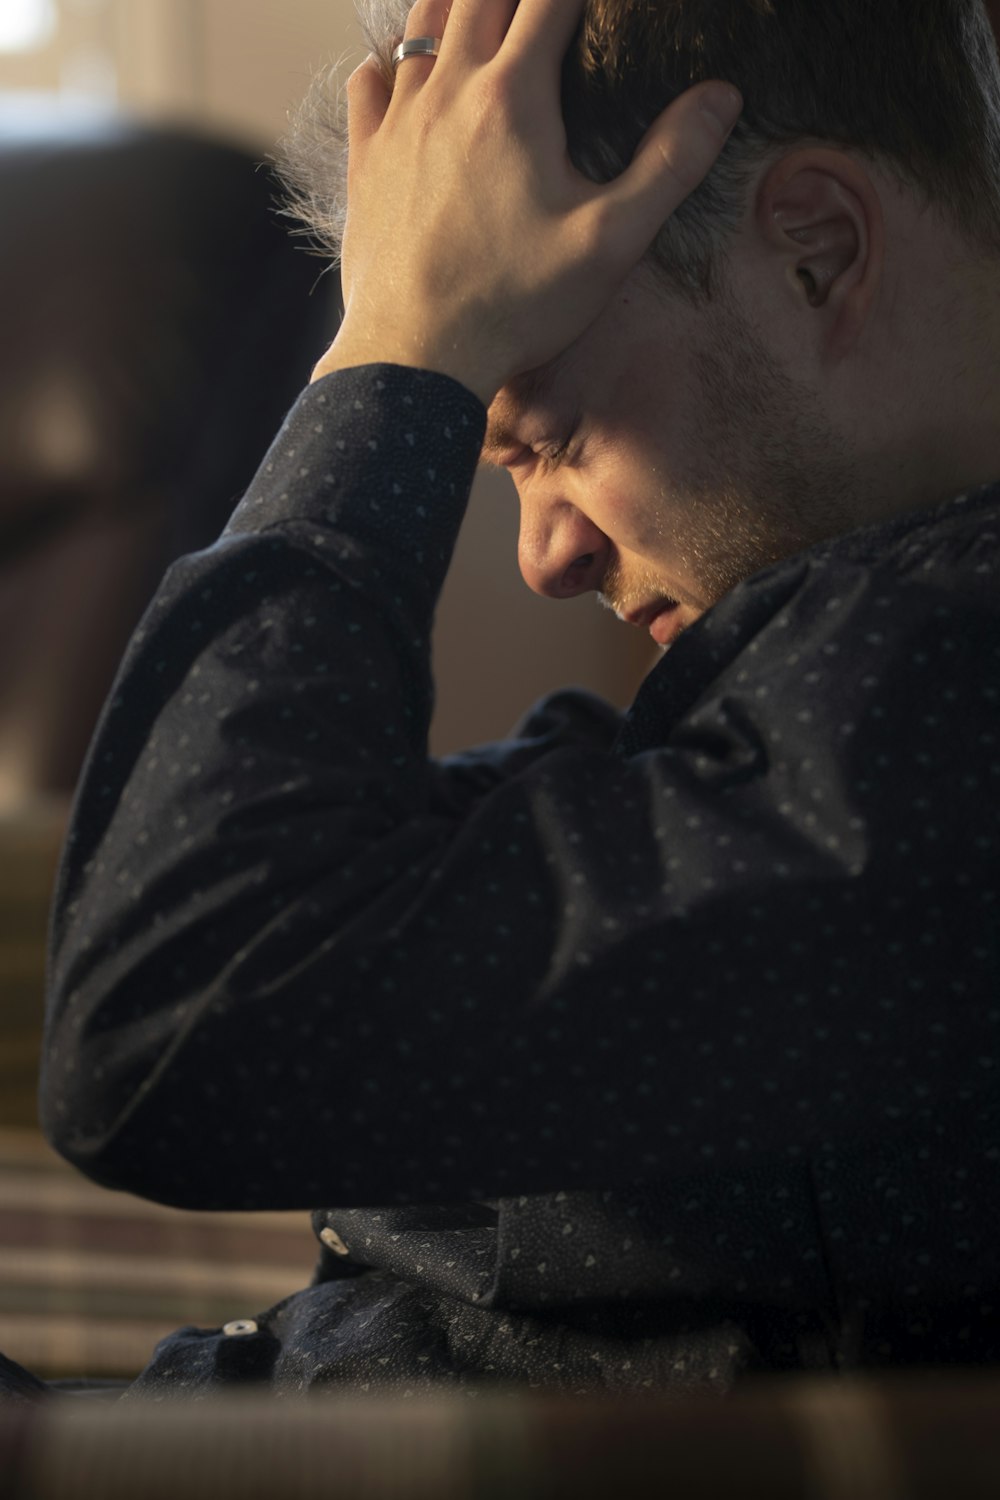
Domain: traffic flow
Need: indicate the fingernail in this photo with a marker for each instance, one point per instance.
(722, 106)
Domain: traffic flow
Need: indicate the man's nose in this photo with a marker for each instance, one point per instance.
(560, 551)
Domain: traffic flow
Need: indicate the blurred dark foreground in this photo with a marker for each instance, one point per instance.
(900, 1439)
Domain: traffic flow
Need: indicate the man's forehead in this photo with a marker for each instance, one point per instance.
(568, 382)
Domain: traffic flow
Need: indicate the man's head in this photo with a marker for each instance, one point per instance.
(909, 85)
(810, 341)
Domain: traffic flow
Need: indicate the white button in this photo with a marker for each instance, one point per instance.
(239, 1326)
(332, 1238)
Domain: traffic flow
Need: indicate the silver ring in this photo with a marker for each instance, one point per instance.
(416, 46)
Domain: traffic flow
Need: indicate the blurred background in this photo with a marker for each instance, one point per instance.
(157, 319)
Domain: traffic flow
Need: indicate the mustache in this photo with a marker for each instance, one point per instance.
(623, 593)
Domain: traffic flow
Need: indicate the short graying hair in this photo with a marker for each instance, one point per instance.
(911, 85)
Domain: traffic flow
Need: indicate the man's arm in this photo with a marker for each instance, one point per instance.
(285, 971)
(570, 719)
(282, 974)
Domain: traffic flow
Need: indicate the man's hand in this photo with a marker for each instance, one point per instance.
(473, 246)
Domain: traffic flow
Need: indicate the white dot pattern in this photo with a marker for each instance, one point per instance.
(667, 1043)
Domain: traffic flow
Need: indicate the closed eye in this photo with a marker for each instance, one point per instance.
(555, 453)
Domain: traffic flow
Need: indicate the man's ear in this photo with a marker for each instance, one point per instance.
(822, 214)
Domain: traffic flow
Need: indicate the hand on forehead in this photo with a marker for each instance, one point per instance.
(473, 246)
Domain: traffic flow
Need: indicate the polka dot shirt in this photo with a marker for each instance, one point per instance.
(635, 1052)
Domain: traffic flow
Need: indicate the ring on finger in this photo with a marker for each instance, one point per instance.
(416, 46)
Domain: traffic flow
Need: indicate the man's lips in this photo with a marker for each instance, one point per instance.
(664, 620)
(667, 625)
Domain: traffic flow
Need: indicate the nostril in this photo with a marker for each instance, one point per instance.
(575, 579)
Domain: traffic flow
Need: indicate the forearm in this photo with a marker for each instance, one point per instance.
(278, 686)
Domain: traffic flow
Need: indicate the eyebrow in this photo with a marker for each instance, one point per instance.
(513, 401)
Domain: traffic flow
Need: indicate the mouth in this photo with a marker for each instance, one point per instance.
(664, 620)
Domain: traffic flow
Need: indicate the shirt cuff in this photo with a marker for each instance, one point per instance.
(385, 453)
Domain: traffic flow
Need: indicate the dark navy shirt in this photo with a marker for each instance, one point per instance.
(633, 1053)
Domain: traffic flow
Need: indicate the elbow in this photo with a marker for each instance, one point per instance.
(109, 1101)
(146, 1138)
(106, 1126)
(84, 1131)
(123, 1162)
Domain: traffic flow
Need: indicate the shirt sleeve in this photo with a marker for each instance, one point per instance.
(570, 719)
(296, 962)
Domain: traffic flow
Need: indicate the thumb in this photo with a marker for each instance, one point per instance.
(674, 156)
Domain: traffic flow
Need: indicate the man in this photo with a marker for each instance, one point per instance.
(666, 1043)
